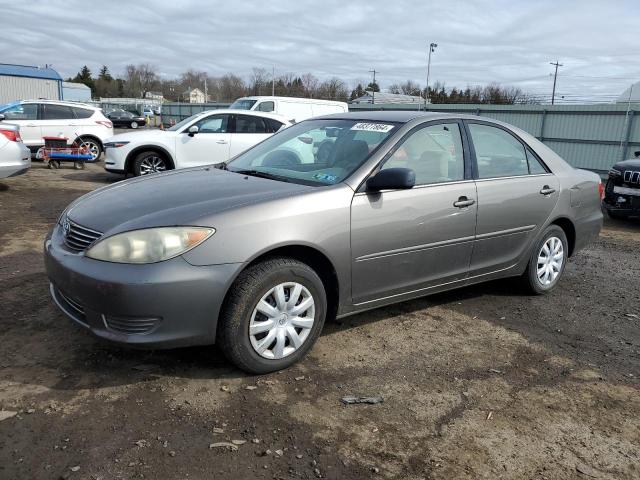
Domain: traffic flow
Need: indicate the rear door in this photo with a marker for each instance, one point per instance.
(25, 115)
(516, 194)
(58, 121)
(247, 131)
(210, 145)
(411, 240)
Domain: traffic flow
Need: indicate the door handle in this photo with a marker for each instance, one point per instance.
(547, 190)
(464, 202)
(221, 142)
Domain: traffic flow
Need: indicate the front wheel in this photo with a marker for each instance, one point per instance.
(134, 125)
(547, 261)
(149, 162)
(273, 315)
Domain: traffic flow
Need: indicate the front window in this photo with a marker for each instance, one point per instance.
(20, 111)
(243, 104)
(178, 126)
(314, 152)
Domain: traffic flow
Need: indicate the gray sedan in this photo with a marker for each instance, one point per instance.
(330, 217)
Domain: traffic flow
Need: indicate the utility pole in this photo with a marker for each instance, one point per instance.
(555, 76)
(206, 96)
(373, 91)
(432, 48)
(273, 81)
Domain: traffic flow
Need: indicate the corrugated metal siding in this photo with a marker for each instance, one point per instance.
(23, 88)
(587, 136)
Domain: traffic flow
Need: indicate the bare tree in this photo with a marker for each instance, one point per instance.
(260, 80)
(310, 83)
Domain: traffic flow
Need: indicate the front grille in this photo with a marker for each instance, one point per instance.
(631, 177)
(79, 238)
(130, 325)
(72, 307)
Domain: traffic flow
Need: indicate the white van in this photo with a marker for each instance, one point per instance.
(294, 109)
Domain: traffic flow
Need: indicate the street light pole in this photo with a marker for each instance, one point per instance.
(373, 88)
(555, 76)
(432, 48)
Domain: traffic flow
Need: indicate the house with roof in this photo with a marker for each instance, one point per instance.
(21, 82)
(193, 95)
(388, 98)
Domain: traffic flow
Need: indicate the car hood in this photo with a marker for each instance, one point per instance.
(633, 164)
(139, 135)
(181, 197)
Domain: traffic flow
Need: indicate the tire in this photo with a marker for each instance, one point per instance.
(94, 147)
(134, 125)
(254, 286)
(539, 285)
(149, 162)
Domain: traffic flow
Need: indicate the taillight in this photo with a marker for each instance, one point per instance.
(105, 123)
(601, 190)
(12, 135)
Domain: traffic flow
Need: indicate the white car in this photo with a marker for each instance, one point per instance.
(49, 118)
(15, 157)
(205, 138)
(292, 108)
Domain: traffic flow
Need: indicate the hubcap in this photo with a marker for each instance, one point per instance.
(152, 164)
(550, 260)
(282, 320)
(94, 150)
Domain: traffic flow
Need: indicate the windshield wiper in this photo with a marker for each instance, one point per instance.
(261, 174)
(221, 166)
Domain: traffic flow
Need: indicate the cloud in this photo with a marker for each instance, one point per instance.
(509, 42)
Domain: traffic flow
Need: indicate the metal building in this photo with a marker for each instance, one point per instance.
(75, 92)
(21, 82)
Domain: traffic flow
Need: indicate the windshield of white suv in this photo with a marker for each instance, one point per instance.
(314, 152)
(186, 121)
(243, 104)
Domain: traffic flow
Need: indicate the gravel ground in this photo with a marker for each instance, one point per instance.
(481, 382)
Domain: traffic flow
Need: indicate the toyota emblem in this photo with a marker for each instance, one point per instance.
(66, 226)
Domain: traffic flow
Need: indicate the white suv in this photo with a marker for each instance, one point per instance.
(49, 118)
(205, 138)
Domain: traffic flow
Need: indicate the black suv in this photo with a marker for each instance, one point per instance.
(622, 192)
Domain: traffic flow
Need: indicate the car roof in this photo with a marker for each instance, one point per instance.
(398, 116)
(59, 102)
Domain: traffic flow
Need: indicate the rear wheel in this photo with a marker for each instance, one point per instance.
(547, 261)
(92, 145)
(149, 162)
(134, 125)
(273, 315)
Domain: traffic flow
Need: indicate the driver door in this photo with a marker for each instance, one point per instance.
(210, 145)
(411, 240)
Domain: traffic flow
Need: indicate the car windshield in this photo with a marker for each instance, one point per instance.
(7, 106)
(186, 121)
(314, 152)
(243, 104)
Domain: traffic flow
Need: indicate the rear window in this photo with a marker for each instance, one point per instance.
(82, 112)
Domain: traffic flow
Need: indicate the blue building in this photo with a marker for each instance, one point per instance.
(21, 82)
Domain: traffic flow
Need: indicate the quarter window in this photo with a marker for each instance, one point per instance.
(434, 153)
(535, 167)
(57, 112)
(23, 111)
(82, 112)
(498, 153)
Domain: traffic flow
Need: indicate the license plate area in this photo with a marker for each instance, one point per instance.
(627, 191)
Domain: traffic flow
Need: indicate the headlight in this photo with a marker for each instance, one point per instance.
(614, 173)
(149, 246)
(114, 144)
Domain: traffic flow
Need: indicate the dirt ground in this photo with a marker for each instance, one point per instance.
(481, 382)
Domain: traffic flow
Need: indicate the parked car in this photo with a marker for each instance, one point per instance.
(15, 157)
(622, 191)
(48, 118)
(122, 118)
(294, 109)
(207, 137)
(148, 112)
(257, 253)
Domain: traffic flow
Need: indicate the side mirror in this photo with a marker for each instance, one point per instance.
(1, 117)
(392, 179)
(193, 129)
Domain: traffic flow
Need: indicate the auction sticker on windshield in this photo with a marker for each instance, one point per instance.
(372, 127)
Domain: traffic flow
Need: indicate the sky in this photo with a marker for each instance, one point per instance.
(479, 41)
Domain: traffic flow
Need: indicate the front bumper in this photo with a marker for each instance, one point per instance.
(115, 159)
(162, 305)
(621, 204)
